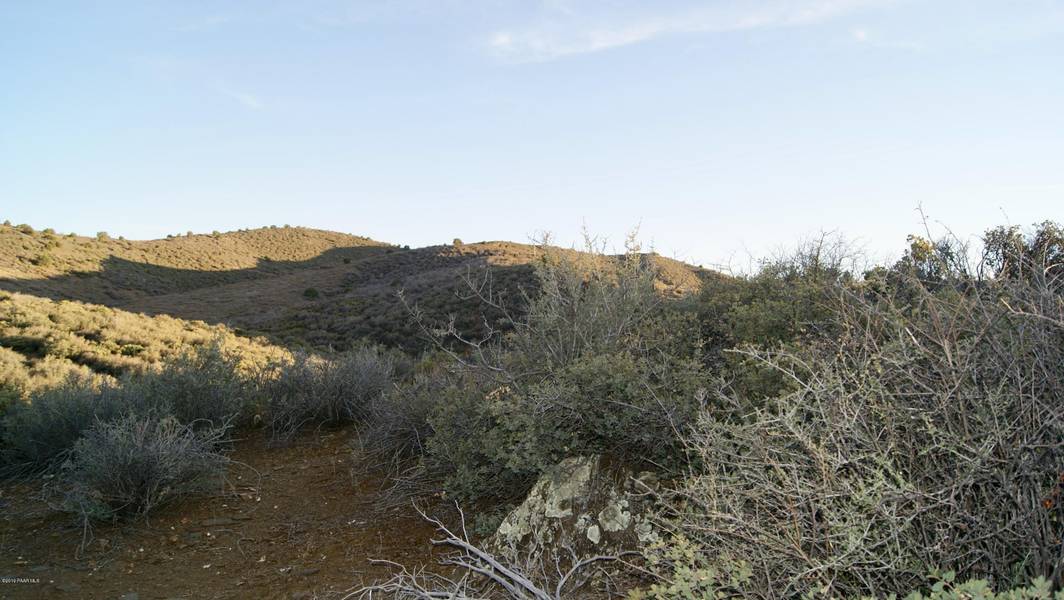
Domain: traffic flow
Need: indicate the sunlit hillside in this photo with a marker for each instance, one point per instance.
(105, 270)
(42, 341)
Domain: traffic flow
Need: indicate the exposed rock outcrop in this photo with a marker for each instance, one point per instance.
(582, 505)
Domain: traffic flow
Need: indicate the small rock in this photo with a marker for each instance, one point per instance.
(594, 534)
(307, 572)
(71, 588)
(129, 596)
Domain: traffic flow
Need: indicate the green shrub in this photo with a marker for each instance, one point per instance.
(44, 259)
(131, 350)
(102, 236)
(600, 363)
(979, 589)
(311, 294)
(203, 388)
(788, 298)
(24, 228)
(463, 452)
(135, 464)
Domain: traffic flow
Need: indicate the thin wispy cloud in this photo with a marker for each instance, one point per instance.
(594, 27)
(245, 99)
(865, 37)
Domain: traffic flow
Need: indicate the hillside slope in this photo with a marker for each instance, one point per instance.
(109, 271)
(298, 286)
(361, 300)
(44, 341)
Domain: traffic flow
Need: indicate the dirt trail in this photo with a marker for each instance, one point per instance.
(297, 526)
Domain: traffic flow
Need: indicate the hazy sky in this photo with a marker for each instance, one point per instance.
(723, 127)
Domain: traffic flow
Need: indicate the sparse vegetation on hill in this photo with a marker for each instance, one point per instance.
(301, 287)
(438, 281)
(104, 270)
(43, 342)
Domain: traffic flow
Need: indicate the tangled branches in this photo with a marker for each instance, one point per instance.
(477, 574)
(929, 433)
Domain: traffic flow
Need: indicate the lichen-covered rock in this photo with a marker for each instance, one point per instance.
(581, 505)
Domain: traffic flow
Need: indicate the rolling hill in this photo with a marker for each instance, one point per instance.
(110, 271)
(297, 286)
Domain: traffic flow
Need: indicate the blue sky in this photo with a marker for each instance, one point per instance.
(723, 129)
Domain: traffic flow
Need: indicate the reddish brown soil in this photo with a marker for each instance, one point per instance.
(297, 524)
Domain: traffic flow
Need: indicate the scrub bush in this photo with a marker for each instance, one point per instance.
(928, 431)
(135, 464)
(203, 386)
(311, 391)
(599, 363)
(37, 435)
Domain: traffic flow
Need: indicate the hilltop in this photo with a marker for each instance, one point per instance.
(296, 285)
(104, 270)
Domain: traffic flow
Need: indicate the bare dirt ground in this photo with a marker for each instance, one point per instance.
(294, 524)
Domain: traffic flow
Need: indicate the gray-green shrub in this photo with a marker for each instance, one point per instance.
(204, 386)
(928, 431)
(132, 465)
(37, 435)
(397, 422)
(307, 390)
